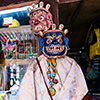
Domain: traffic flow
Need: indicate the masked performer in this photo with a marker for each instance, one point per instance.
(53, 75)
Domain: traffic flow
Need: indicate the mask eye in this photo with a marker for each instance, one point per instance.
(41, 18)
(60, 40)
(33, 21)
(34, 14)
(49, 41)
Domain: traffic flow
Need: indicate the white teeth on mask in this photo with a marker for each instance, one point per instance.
(39, 26)
(45, 28)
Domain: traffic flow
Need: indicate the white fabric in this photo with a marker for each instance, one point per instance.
(72, 79)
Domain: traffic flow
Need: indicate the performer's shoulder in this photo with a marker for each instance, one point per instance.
(33, 64)
(69, 58)
(41, 57)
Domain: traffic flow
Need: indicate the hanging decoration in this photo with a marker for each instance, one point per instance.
(10, 47)
(95, 48)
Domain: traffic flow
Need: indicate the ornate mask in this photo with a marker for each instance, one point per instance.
(53, 43)
(40, 18)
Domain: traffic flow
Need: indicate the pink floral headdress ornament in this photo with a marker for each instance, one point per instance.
(40, 18)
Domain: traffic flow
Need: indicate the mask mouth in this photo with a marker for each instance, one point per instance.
(39, 28)
(55, 53)
(55, 48)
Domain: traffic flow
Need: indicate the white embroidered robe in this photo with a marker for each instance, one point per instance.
(73, 82)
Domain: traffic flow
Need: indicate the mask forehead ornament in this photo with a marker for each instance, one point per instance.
(40, 18)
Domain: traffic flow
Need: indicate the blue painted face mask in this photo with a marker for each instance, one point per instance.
(54, 44)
